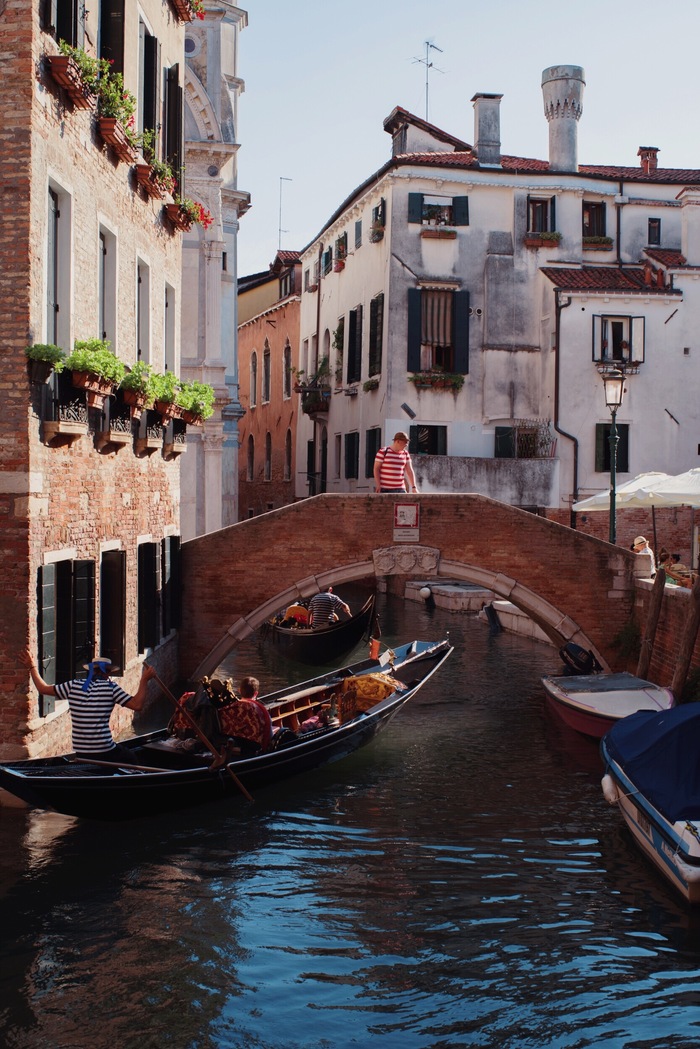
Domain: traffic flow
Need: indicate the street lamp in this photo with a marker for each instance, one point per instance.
(614, 383)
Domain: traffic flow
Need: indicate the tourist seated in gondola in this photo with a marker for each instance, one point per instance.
(324, 609)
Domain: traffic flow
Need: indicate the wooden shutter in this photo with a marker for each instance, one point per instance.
(112, 33)
(113, 607)
(552, 214)
(151, 78)
(147, 590)
(52, 270)
(505, 443)
(460, 320)
(47, 622)
(415, 207)
(414, 329)
(173, 123)
(352, 455)
(637, 338)
(48, 14)
(460, 211)
(355, 345)
(372, 439)
(83, 614)
(376, 324)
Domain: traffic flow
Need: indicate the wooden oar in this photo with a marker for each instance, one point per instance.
(220, 758)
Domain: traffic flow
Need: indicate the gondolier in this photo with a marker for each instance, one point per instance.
(324, 608)
(91, 702)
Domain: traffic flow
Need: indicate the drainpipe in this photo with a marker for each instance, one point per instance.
(618, 220)
(559, 306)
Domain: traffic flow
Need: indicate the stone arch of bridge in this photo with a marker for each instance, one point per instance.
(426, 563)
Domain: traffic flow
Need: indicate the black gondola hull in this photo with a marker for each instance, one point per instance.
(322, 647)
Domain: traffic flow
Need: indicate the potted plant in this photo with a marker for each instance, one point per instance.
(77, 73)
(95, 369)
(155, 176)
(42, 360)
(188, 9)
(185, 212)
(137, 388)
(116, 108)
(196, 399)
(166, 387)
(376, 231)
(370, 384)
(437, 379)
(541, 240)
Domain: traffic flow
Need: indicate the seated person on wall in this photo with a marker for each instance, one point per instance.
(324, 609)
(641, 546)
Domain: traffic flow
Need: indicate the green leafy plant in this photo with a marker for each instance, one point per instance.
(166, 387)
(435, 377)
(370, 384)
(46, 352)
(198, 398)
(114, 100)
(162, 171)
(139, 377)
(195, 211)
(549, 236)
(91, 69)
(96, 357)
(605, 242)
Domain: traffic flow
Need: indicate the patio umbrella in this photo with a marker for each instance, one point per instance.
(677, 490)
(635, 493)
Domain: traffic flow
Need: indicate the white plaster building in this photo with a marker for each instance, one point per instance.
(522, 279)
(209, 278)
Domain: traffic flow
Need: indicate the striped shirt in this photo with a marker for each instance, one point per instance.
(90, 712)
(322, 607)
(392, 467)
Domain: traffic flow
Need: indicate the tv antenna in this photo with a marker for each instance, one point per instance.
(428, 66)
(280, 231)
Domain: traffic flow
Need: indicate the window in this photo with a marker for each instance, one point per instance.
(338, 345)
(58, 267)
(352, 455)
(172, 122)
(379, 215)
(171, 583)
(593, 218)
(113, 607)
(253, 379)
(286, 284)
(287, 371)
(376, 325)
(428, 440)
(111, 33)
(602, 447)
(268, 456)
(149, 81)
(327, 261)
(438, 330)
(288, 456)
(250, 472)
(169, 328)
(654, 233)
(143, 311)
(66, 616)
(66, 19)
(373, 439)
(618, 339)
(541, 215)
(266, 373)
(149, 596)
(337, 455)
(438, 211)
(341, 247)
(307, 280)
(355, 345)
(358, 234)
(107, 285)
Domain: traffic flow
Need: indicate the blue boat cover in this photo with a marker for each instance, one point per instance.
(660, 752)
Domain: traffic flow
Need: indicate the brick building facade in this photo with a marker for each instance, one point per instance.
(89, 501)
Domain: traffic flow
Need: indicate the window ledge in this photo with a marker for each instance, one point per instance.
(435, 233)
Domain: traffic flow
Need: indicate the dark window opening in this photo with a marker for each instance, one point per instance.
(352, 455)
(113, 607)
(373, 439)
(654, 233)
(428, 440)
(540, 215)
(602, 447)
(593, 219)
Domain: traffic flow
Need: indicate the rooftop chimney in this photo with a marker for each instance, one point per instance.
(648, 158)
(487, 129)
(562, 88)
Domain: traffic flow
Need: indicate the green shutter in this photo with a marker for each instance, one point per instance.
(47, 622)
(415, 207)
(113, 607)
(504, 443)
(83, 614)
(460, 211)
(414, 329)
(461, 332)
(553, 214)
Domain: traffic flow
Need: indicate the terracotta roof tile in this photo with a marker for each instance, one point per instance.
(604, 278)
(673, 259)
(467, 159)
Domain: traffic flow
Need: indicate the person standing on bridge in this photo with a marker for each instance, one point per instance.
(393, 469)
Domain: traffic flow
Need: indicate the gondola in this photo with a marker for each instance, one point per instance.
(320, 647)
(306, 725)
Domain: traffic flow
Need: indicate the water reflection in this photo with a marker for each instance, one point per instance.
(460, 882)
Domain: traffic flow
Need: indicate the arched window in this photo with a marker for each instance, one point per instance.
(287, 371)
(251, 458)
(253, 379)
(266, 373)
(268, 456)
(288, 456)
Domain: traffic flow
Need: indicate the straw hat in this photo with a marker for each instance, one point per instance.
(97, 659)
(639, 541)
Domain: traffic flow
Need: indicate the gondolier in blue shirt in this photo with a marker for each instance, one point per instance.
(91, 702)
(324, 608)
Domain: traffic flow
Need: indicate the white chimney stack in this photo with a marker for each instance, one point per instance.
(487, 129)
(562, 88)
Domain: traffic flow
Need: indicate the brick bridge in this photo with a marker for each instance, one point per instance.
(575, 587)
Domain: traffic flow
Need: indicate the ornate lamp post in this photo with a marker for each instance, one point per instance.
(614, 383)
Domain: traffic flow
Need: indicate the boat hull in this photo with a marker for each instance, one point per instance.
(322, 647)
(592, 704)
(113, 793)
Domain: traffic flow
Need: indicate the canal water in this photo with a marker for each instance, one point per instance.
(460, 882)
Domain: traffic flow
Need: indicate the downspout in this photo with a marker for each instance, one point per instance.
(570, 437)
(618, 221)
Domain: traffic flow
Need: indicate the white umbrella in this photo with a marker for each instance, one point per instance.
(636, 492)
(678, 490)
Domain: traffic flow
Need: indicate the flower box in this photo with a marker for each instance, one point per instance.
(178, 217)
(136, 400)
(339, 265)
(432, 233)
(96, 388)
(191, 418)
(312, 287)
(376, 234)
(112, 132)
(535, 240)
(168, 410)
(183, 10)
(146, 179)
(597, 243)
(65, 72)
